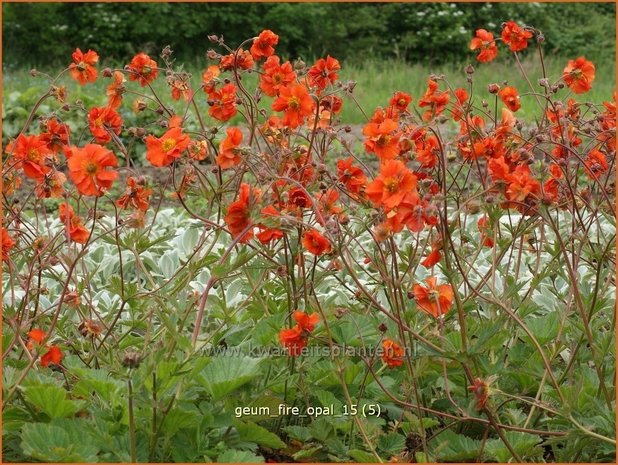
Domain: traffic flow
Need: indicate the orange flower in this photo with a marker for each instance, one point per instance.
(53, 354)
(241, 60)
(89, 169)
(30, 153)
(297, 104)
(427, 151)
(268, 234)
(436, 101)
(382, 139)
(223, 102)
(208, 78)
(522, 185)
(391, 186)
(294, 340)
(238, 217)
(228, 149)
(315, 243)
(305, 321)
(143, 69)
(352, 176)
(458, 108)
(499, 170)
(515, 37)
(434, 256)
(82, 69)
(164, 150)
(483, 225)
(7, 243)
(480, 389)
(181, 87)
(484, 41)
(434, 299)
(578, 75)
(298, 198)
(276, 76)
(400, 101)
(510, 98)
(323, 72)
(136, 195)
(198, 150)
(57, 135)
(263, 45)
(115, 90)
(596, 164)
(393, 353)
(73, 223)
(51, 185)
(327, 204)
(102, 122)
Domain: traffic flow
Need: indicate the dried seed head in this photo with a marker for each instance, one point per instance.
(131, 359)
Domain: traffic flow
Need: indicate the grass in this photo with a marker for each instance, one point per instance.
(376, 82)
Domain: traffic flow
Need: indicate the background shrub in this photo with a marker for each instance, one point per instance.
(415, 32)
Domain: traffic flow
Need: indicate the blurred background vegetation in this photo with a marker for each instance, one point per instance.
(37, 34)
(384, 47)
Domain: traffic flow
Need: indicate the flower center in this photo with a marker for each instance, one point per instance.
(391, 185)
(91, 168)
(168, 144)
(383, 140)
(294, 103)
(33, 154)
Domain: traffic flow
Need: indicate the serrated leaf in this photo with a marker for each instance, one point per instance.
(52, 401)
(50, 443)
(250, 432)
(362, 457)
(226, 374)
(239, 456)
(300, 433)
(526, 446)
(451, 447)
(392, 443)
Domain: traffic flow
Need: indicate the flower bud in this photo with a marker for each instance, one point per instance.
(469, 69)
(299, 65)
(493, 88)
(166, 52)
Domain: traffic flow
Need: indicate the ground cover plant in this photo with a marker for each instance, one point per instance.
(239, 277)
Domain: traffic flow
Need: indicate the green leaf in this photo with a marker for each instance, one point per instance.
(250, 432)
(391, 443)
(50, 443)
(226, 374)
(544, 328)
(321, 430)
(52, 401)
(99, 382)
(362, 457)
(452, 447)
(239, 456)
(300, 433)
(178, 419)
(526, 445)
